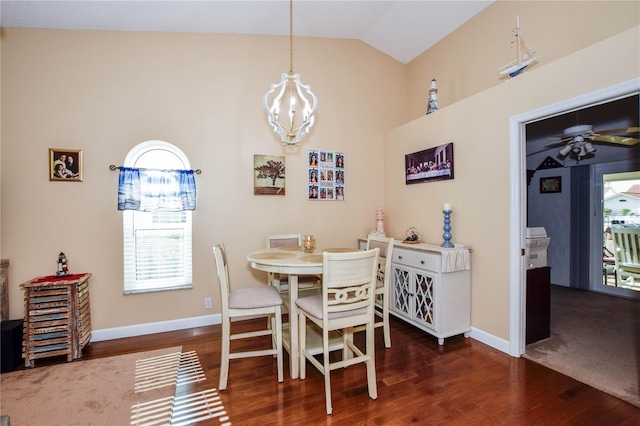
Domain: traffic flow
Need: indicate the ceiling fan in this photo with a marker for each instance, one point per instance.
(578, 140)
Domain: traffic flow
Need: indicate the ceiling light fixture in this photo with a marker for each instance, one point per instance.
(294, 98)
(576, 142)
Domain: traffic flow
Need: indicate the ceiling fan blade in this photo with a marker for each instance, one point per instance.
(544, 147)
(624, 130)
(558, 142)
(618, 136)
(620, 140)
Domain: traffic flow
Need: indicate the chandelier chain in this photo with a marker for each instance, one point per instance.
(290, 37)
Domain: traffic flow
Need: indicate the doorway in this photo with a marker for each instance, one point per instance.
(518, 202)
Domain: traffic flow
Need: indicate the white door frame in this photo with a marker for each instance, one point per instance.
(518, 196)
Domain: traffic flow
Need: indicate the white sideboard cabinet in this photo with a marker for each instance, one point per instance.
(423, 294)
(431, 288)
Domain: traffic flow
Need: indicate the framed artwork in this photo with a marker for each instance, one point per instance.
(430, 165)
(65, 165)
(268, 175)
(550, 185)
(325, 175)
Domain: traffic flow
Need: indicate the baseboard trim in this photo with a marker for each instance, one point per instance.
(155, 327)
(181, 324)
(490, 339)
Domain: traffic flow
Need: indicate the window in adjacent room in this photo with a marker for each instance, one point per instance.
(157, 244)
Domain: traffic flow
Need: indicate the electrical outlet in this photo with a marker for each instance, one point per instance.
(207, 303)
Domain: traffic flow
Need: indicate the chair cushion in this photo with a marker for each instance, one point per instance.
(254, 297)
(313, 306)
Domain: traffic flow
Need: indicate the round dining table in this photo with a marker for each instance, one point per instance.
(292, 261)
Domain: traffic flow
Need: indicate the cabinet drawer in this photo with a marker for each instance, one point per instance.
(416, 259)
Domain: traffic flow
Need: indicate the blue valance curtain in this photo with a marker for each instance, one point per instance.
(151, 190)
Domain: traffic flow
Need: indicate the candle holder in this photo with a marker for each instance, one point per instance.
(309, 243)
(447, 227)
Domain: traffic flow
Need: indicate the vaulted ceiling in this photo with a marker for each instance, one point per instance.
(401, 29)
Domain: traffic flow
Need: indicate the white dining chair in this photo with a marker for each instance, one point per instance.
(281, 282)
(383, 279)
(347, 301)
(626, 243)
(243, 302)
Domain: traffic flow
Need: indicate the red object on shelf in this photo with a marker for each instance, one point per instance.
(50, 278)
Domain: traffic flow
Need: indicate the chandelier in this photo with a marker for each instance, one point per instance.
(290, 105)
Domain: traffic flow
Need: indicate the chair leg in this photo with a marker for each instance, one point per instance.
(277, 326)
(302, 344)
(272, 281)
(385, 327)
(327, 369)
(224, 357)
(371, 363)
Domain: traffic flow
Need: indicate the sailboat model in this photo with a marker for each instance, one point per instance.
(524, 55)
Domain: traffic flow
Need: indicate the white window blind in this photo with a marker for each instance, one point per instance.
(157, 245)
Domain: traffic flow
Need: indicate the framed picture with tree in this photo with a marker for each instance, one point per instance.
(268, 175)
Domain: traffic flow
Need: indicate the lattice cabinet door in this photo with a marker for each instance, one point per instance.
(401, 291)
(424, 288)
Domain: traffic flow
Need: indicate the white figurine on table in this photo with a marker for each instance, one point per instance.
(379, 231)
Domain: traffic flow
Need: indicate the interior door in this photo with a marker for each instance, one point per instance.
(619, 176)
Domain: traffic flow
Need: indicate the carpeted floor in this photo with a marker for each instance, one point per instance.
(595, 338)
(94, 392)
(146, 388)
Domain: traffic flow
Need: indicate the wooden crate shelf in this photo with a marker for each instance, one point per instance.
(57, 317)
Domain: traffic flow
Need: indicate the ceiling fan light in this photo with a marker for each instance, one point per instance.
(582, 152)
(564, 151)
(576, 149)
(589, 148)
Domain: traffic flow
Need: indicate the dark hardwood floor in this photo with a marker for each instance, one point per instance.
(463, 382)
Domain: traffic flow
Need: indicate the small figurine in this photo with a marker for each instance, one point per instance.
(433, 97)
(63, 269)
(379, 231)
(412, 235)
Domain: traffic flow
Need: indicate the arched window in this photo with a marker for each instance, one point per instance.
(157, 245)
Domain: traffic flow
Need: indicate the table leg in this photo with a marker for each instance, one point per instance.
(293, 327)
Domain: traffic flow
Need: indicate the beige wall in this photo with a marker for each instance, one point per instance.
(104, 92)
(466, 62)
(480, 192)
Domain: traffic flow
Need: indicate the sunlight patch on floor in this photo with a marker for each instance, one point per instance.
(199, 406)
(175, 369)
(153, 413)
(190, 370)
(157, 372)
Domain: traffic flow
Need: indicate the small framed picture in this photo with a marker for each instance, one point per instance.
(269, 175)
(65, 165)
(550, 184)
